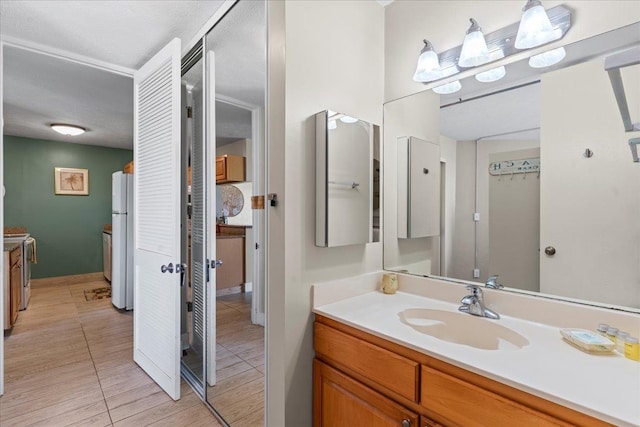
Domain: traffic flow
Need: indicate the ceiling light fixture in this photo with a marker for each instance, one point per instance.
(474, 48)
(535, 27)
(68, 129)
(428, 68)
(548, 58)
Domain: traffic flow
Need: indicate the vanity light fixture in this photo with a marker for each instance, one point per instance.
(535, 27)
(548, 58)
(448, 88)
(474, 48)
(64, 129)
(493, 74)
(428, 68)
(479, 49)
(348, 119)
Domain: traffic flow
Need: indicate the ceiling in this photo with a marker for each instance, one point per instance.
(40, 89)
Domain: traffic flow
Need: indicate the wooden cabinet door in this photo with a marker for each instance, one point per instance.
(341, 401)
(16, 290)
(221, 169)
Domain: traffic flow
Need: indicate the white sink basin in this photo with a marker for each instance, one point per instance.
(463, 329)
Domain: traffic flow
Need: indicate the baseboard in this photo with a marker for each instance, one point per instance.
(67, 280)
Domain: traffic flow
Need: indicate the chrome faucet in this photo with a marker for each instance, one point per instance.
(492, 282)
(474, 304)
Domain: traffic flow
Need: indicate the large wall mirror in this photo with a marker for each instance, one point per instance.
(537, 183)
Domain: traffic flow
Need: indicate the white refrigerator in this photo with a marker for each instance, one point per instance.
(122, 240)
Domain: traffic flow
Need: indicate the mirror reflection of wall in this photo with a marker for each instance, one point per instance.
(347, 191)
(549, 193)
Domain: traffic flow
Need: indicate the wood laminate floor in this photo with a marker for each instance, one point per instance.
(239, 392)
(68, 362)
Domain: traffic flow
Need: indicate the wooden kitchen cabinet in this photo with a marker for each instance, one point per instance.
(353, 385)
(342, 401)
(230, 169)
(230, 250)
(12, 285)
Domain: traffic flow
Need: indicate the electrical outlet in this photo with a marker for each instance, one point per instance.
(476, 216)
(476, 273)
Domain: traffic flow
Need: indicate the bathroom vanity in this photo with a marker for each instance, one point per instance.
(411, 359)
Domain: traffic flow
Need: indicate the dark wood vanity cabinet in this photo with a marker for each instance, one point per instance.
(363, 380)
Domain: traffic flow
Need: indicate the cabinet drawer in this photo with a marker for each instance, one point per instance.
(468, 405)
(392, 371)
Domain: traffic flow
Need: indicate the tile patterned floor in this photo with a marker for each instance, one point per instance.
(68, 362)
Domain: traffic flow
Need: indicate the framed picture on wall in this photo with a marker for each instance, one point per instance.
(71, 182)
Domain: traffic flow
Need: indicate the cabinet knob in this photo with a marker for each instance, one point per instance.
(550, 250)
(406, 423)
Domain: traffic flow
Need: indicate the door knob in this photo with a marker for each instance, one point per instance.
(216, 263)
(406, 423)
(550, 250)
(166, 268)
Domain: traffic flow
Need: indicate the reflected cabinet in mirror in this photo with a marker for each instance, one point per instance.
(537, 182)
(347, 180)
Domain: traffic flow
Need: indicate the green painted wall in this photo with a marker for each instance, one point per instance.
(68, 229)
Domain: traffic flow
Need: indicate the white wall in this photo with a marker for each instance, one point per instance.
(444, 23)
(416, 116)
(514, 224)
(463, 244)
(334, 59)
(448, 149)
(590, 208)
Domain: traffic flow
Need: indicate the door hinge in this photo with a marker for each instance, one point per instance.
(257, 246)
(476, 216)
(189, 112)
(189, 306)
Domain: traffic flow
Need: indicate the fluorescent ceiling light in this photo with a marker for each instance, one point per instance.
(535, 27)
(547, 59)
(68, 129)
(452, 87)
(474, 48)
(428, 68)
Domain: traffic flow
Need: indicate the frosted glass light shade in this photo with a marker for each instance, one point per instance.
(547, 59)
(474, 48)
(491, 75)
(68, 129)
(452, 87)
(348, 119)
(428, 68)
(535, 28)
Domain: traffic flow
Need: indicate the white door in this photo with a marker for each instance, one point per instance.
(156, 315)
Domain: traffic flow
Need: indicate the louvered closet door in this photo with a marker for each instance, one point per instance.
(156, 315)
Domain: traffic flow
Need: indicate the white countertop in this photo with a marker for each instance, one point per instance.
(606, 387)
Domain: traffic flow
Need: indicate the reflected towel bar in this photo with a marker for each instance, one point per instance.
(353, 185)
